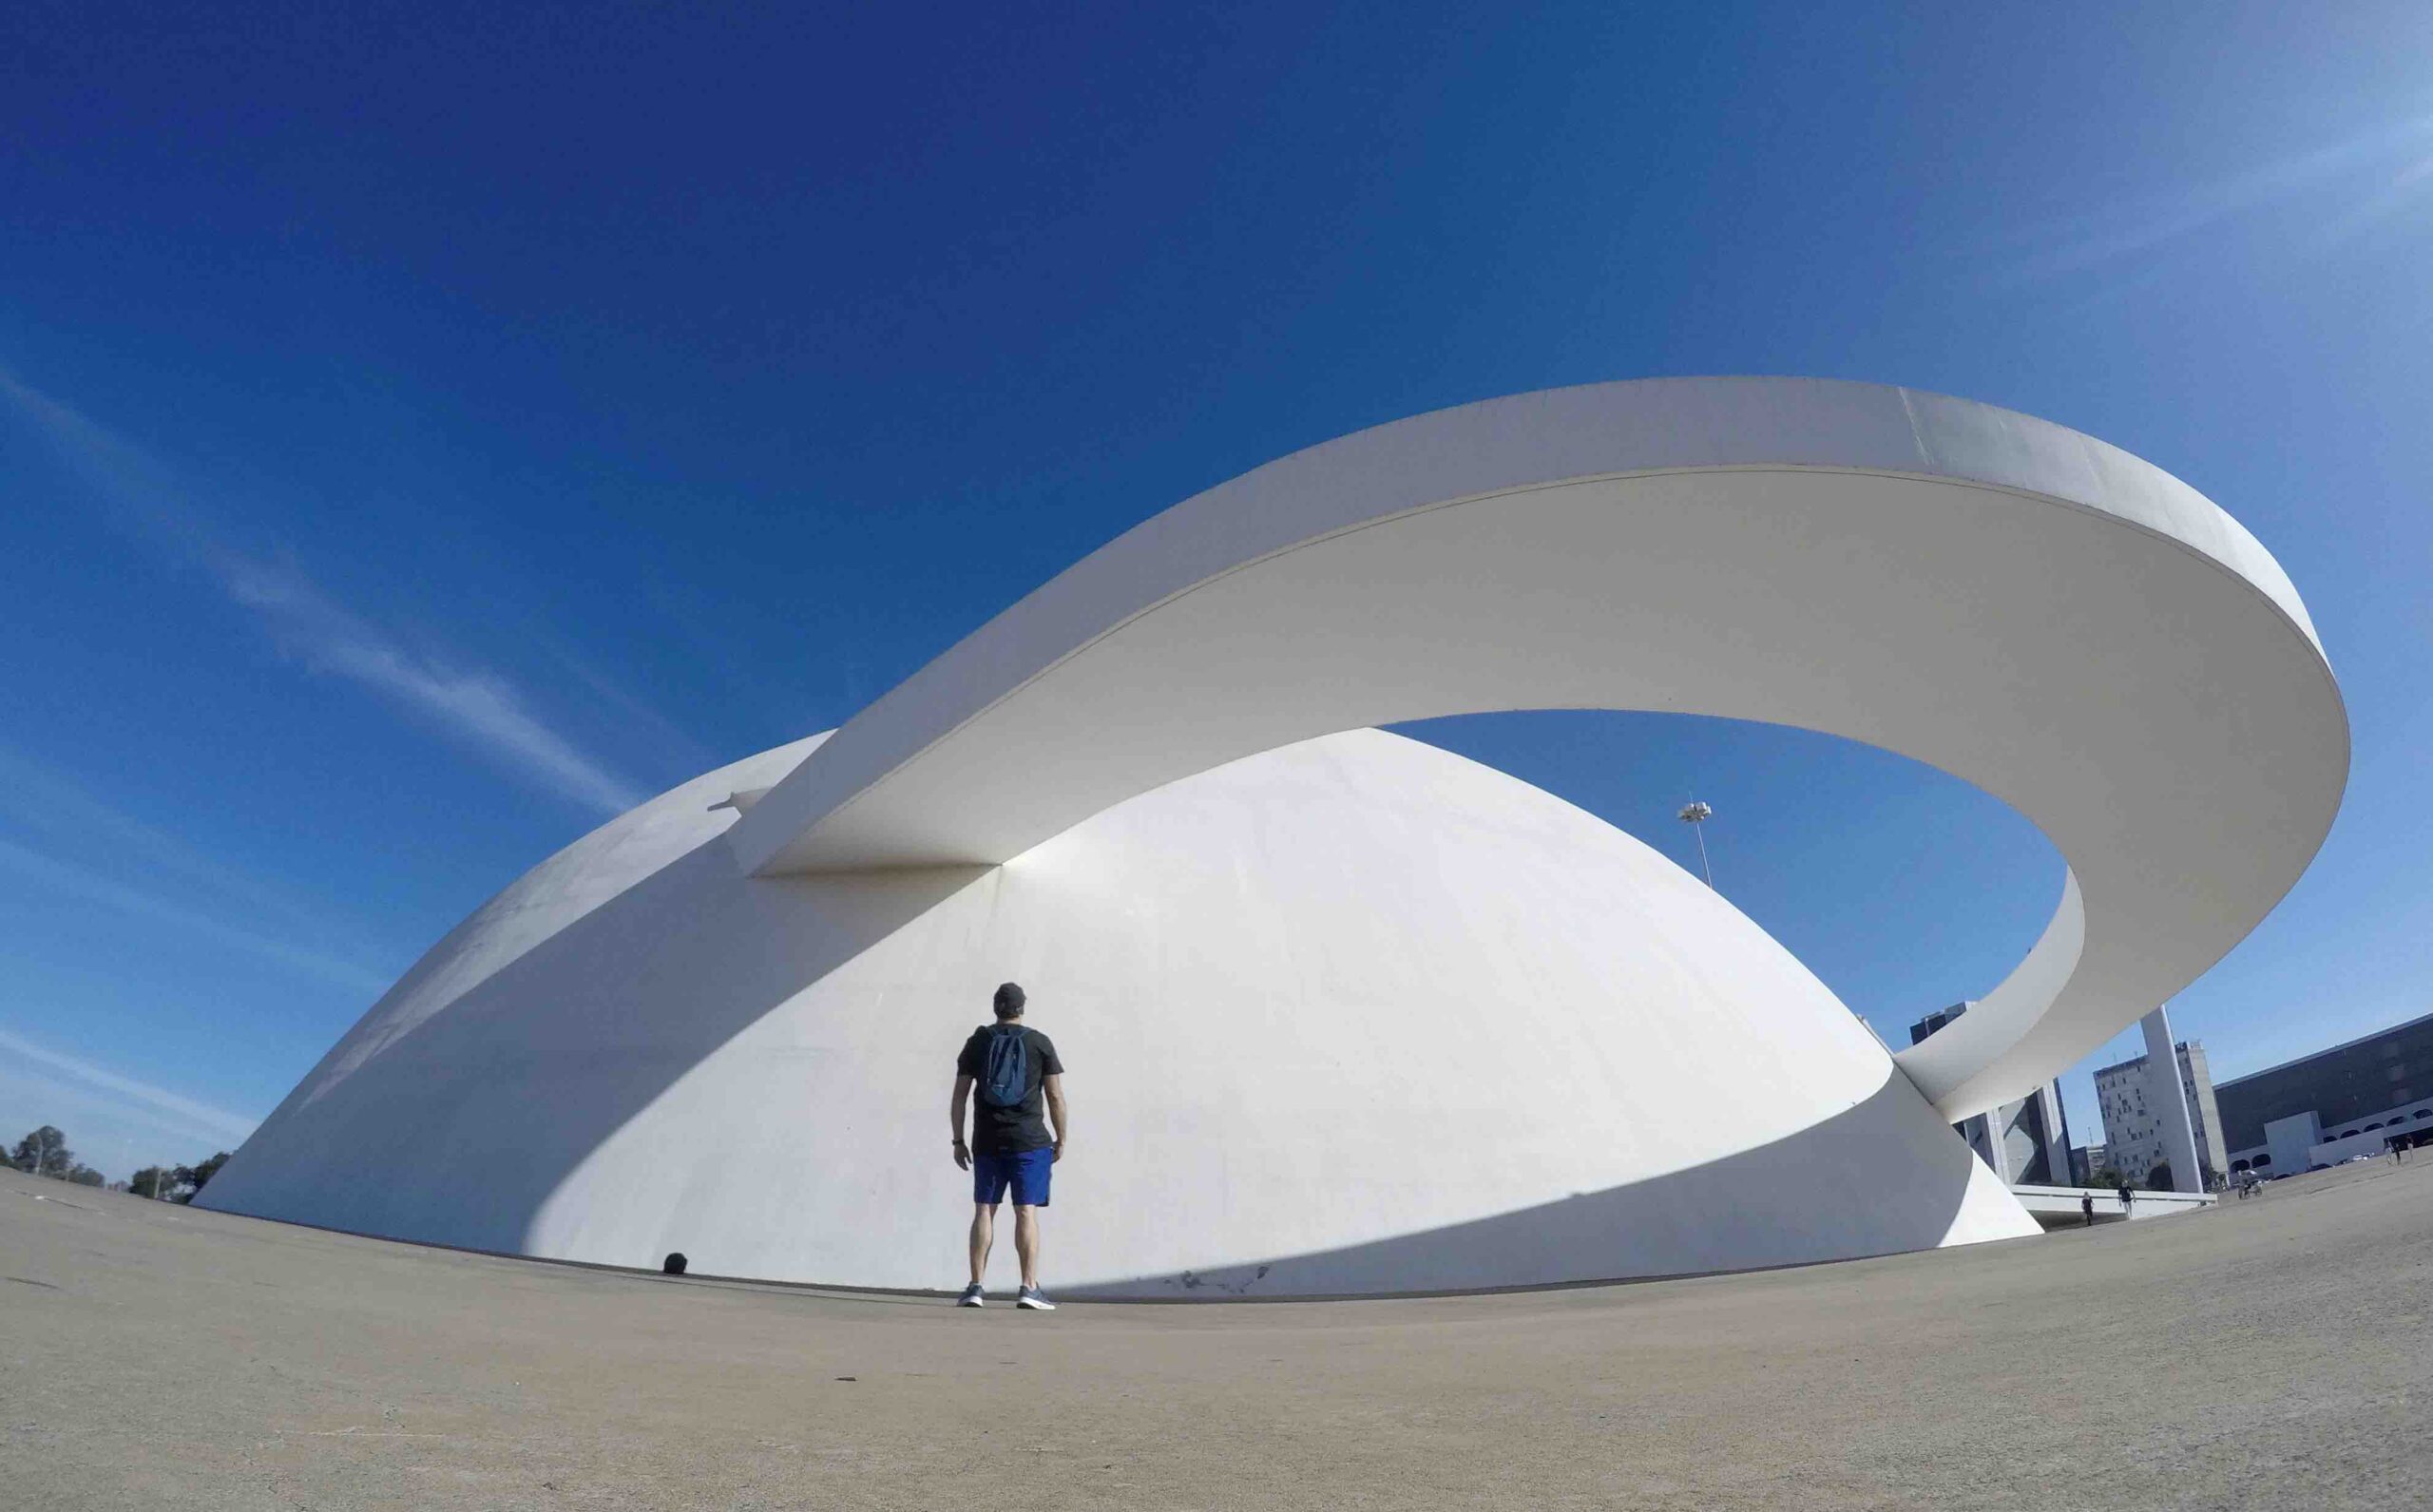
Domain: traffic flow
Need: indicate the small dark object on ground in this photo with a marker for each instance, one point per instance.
(673, 1264)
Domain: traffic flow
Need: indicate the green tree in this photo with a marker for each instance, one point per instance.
(189, 1180)
(44, 1152)
(155, 1182)
(85, 1175)
(2158, 1180)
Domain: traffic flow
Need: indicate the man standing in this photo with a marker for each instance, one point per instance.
(1007, 1072)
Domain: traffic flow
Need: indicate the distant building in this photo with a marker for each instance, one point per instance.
(1938, 1018)
(2085, 1162)
(2028, 1142)
(2320, 1109)
(2133, 1129)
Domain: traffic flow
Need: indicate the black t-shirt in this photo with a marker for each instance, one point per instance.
(1024, 1126)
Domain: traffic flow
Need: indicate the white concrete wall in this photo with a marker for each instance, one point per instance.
(1355, 1015)
(1348, 1014)
(2291, 1142)
(2060, 624)
(2167, 1090)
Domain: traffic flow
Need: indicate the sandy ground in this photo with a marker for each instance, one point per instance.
(2271, 1353)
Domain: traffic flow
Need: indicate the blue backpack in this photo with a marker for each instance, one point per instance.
(1009, 1080)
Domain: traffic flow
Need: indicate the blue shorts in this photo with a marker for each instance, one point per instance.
(1026, 1171)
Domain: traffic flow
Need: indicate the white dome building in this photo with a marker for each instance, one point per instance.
(1356, 1015)
(1343, 1013)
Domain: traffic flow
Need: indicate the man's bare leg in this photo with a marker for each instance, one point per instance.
(984, 1234)
(1026, 1242)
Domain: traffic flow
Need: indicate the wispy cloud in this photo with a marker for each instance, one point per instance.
(478, 707)
(635, 715)
(140, 1099)
(70, 880)
(39, 801)
(2377, 174)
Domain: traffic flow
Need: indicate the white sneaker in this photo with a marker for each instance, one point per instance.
(1035, 1299)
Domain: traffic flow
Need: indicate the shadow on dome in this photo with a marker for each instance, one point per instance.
(1816, 1197)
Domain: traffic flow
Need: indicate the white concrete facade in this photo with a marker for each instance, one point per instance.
(2068, 627)
(1358, 1015)
(2300, 1143)
(1433, 1028)
(2175, 1125)
(2024, 1143)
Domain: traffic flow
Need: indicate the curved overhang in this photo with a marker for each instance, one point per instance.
(2039, 613)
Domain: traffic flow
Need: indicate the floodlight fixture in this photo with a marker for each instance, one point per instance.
(1696, 815)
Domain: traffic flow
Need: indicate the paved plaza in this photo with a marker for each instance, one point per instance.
(2271, 1353)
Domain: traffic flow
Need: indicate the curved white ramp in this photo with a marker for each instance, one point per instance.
(1345, 1013)
(2066, 626)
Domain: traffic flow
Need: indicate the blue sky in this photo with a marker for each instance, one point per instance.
(425, 431)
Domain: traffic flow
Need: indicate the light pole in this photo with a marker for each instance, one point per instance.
(1696, 815)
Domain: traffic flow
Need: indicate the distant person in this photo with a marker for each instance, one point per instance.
(2086, 1206)
(1006, 1072)
(2399, 1153)
(2128, 1198)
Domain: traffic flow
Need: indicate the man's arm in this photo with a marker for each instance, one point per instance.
(955, 1116)
(1055, 1087)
